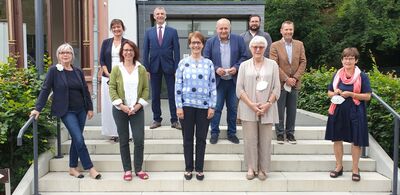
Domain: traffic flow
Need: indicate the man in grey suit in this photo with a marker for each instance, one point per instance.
(161, 57)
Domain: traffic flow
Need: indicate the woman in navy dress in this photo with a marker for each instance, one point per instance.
(347, 121)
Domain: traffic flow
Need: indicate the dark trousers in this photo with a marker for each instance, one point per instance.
(122, 120)
(75, 122)
(155, 81)
(287, 101)
(194, 117)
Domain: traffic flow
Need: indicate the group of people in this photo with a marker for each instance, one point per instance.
(259, 81)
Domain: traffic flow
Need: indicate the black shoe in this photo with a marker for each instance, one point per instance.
(214, 139)
(155, 124)
(176, 125)
(233, 139)
(114, 139)
(280, 139)
(188, 175)
(291, 139)
(200, 176)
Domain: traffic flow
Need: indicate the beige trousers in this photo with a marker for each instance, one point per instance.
(257, 145)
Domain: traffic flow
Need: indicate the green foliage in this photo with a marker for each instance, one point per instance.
(19, 89)
(313, 97)
(328, 26)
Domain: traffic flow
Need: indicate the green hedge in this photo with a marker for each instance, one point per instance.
(313, 97)
(19, 89)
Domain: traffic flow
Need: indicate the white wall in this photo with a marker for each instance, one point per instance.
(4, 50)
(3, 42)
(126, 11)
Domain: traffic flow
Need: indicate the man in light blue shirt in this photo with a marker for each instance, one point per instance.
(226, 51)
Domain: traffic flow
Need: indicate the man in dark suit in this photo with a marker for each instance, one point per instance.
(291, 58)
(161, 58)
(226, 51)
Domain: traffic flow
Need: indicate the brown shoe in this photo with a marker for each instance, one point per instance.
(176, 125)
(155, 124)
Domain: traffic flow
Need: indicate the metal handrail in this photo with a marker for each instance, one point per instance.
(395, 142)
(35, 150)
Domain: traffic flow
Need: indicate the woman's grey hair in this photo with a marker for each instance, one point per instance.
(258, 39)
(65, 47)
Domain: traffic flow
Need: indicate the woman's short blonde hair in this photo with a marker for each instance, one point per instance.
(258, 40)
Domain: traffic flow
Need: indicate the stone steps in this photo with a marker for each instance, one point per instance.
(174, 146)
(213, 162)
(303, 167)
(216, 181)
(166, 132)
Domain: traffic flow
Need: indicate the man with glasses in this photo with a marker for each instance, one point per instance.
(226, 51)
(161, 57)
(291, 58)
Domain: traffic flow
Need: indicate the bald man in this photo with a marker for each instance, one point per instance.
(226, 51)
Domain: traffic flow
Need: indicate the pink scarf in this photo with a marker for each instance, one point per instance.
(355, 80)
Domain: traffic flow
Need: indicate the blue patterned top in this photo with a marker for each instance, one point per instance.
(195, 84)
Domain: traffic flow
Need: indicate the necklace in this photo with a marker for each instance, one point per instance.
(258, 70)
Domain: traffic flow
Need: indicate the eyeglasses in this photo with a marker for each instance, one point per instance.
(65, 52)
(257, 47)
(196, 43)
(127, 50)
(348, 58)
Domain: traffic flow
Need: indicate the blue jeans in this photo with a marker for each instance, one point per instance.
(226, 91)
(75, 122)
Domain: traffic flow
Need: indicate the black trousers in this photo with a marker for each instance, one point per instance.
(194, 117)
(122, 120)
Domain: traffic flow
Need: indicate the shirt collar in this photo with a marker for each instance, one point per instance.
(163, 25)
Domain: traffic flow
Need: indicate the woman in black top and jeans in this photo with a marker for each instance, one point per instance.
(72, 103)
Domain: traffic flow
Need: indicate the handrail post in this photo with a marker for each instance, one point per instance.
(395, 155)
(364, 152)
(59, 155)
(35, 159)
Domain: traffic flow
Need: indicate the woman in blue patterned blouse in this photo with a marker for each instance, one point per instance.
(195, 98)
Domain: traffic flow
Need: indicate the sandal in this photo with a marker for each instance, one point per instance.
(355, 176)
(250, 176)
(262, 176)
(200, 176)
(335, 173)
(188, 175)
(142, 175)
(128, 176)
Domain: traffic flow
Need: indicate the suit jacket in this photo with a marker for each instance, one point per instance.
(238, 53)
(105, 53)
(287, 70)
(165, 56)
(56, 81)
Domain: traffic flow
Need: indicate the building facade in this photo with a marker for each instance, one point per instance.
(85, 24)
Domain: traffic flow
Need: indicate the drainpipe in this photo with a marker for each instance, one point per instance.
(95, 55)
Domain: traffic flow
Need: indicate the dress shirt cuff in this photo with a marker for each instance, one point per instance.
(117, 102)
(143, 102)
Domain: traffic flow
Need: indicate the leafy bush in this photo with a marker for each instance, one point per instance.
(313, 97)
(19, 89)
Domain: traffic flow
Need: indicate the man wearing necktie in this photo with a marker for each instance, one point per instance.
(161, 56)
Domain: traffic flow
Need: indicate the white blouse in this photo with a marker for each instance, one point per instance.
(131, 82)
(115, 60)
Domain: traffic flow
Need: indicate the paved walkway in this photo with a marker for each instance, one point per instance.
(303, 118)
